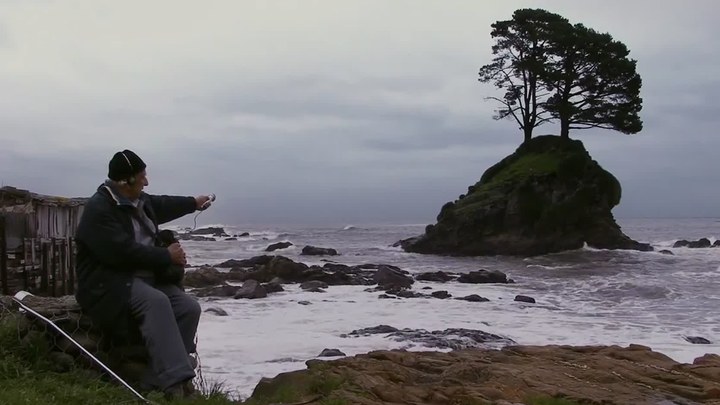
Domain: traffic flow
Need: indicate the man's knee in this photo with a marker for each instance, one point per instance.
(189, 307)
(158, 300)
(145, 299)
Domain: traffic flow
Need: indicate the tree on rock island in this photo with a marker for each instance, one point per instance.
(552, 71)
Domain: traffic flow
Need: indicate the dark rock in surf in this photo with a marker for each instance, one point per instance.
(318, 251)
(392, 277)
(371, 331)
(437, 276)
(331, 353)
(213, 231)
(442, 294)
(279, 245)
(272, 267)
(524, 298)
(483, 276)
(454, 338)
(221, 291)
(252, 262)
(700, 243)
(217, 311)
(406, 294)
(697, 340)
(203, 277)
(251, 289)
(313, 284)
(273, 287)
(473, 298)
(695, 244)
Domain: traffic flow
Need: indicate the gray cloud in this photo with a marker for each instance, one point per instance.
(337, 112)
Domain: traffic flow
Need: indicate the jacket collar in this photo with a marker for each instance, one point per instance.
(113, 192)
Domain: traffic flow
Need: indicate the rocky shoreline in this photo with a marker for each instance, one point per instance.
(633, 375)
(473, 367)
(468, 367)
(465, 366)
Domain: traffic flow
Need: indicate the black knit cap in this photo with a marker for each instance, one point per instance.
(124, 165)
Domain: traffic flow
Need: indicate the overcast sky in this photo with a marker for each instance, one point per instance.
(330, 112)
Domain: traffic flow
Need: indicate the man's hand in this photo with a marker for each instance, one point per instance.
(177, 254)
(202, 202)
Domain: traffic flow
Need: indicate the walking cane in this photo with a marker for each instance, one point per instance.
(22, 294)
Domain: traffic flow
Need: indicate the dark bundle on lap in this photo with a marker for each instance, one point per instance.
(174, 273)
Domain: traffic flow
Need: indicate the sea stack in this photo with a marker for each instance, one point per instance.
(548, 196)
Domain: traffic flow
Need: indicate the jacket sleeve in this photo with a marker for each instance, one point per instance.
(168, 208)
(101, 231)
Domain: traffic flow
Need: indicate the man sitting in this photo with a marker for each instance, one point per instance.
(120, 264)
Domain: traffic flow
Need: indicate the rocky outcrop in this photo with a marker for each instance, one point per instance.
(265, 269)
(548, 196)
(212, 231)
(514, 375)
(267, 273)
(203, 277)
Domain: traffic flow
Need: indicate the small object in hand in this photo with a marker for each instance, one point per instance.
(208, 203)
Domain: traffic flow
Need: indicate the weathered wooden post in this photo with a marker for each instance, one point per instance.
(44, 265)
(71, 264)
(53, 265)
(24, 264)
(3, 258)
(63, 265)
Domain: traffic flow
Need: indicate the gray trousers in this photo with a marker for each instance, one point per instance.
(168, 319)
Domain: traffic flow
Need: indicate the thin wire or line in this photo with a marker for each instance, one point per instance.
(100, 363)
(195, 220)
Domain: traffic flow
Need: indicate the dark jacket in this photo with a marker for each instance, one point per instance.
(108, 255)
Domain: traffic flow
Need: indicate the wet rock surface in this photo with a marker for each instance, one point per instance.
(318, 251)
(608, 375)
(453, 338)
(695, 244)
(280, 245)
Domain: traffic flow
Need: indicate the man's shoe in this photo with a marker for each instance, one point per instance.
(174, 392)
(189, 389)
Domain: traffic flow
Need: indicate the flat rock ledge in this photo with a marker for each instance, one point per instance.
(513, 375)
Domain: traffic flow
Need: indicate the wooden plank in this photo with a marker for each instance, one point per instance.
(53, 266)
(63, 265)
(71, 265)
(3, 258)
(45, 265)
(24, 264)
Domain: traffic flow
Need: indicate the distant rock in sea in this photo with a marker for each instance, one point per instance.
(548, 196)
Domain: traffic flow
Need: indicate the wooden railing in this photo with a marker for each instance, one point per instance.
(40, 266)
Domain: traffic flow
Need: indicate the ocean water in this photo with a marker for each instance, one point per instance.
(586, 296)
